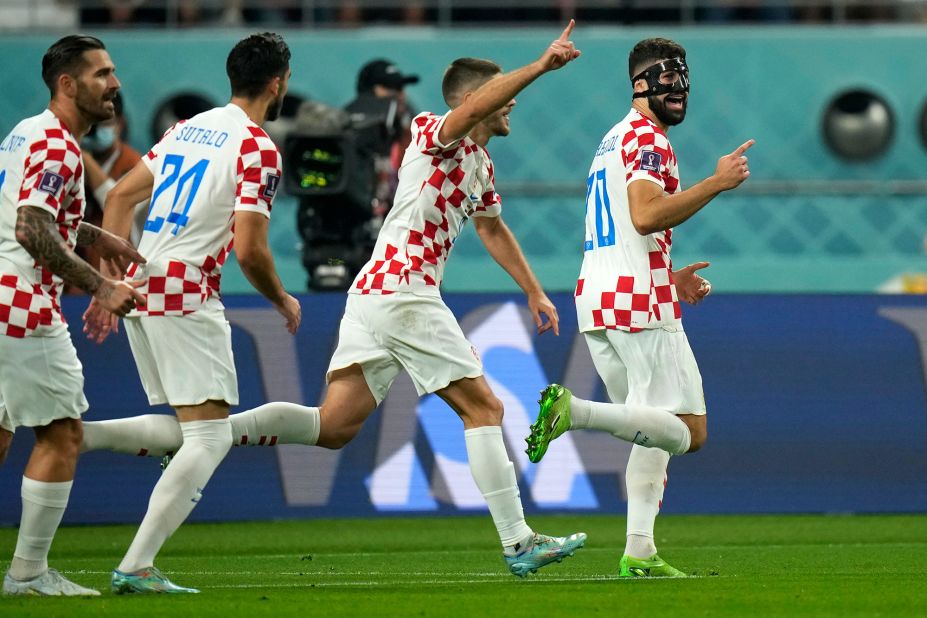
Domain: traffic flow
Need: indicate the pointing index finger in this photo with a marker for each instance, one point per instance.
(744, 147)
(565, 36)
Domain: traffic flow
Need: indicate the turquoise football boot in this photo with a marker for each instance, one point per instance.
(146, 581)
(543, 551)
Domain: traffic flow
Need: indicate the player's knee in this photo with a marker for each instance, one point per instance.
(60, 440)
(71, 438)
(699, 435)
(336, 437)
(489, 411)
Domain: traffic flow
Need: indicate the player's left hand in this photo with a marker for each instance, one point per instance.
(99, 323)
(290, 309)
(118, 250)
(561, 51)
(690, 286)
(539, 304)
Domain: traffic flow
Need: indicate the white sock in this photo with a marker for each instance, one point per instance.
(645, 480)
(495, 477)
(152, 435)
(205, 444)
(273, 423)
(43, 507)
(643, 425)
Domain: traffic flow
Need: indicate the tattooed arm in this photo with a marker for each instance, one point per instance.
(36, 232)
(87, 234)
(109, 246)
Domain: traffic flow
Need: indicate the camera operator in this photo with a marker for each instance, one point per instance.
(381, 94)
(343, 164)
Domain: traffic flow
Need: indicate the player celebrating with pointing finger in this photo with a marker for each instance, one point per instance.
(627, 297)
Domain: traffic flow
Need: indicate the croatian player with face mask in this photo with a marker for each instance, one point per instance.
(627, 297)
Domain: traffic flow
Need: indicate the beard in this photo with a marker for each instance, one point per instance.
(666, 116)
(93, 108)
(274, 109)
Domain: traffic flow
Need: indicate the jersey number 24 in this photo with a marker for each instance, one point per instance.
(172, 207)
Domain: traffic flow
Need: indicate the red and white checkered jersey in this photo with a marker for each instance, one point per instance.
(626, 280)
(440, 188)
(205, 170)
(40, 166)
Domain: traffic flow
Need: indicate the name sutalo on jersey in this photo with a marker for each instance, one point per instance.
(199, 135)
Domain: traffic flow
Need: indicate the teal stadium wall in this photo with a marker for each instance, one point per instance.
(770, 84)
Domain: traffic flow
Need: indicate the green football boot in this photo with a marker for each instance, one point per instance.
(146, 581)
(552, 422)
(654, 566)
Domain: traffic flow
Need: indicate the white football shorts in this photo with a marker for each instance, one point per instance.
(654, 367)
(185, 360)
(41, 380)
(387, 333)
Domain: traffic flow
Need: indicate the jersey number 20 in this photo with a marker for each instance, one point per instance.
(597, 198)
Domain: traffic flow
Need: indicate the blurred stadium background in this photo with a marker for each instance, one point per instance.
(814, 375)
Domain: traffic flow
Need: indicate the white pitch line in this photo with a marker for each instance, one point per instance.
(420, 582)
(495, 578)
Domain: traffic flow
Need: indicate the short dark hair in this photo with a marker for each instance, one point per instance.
(466, 73)
(256, 60)
(651, 51)
(66, 55)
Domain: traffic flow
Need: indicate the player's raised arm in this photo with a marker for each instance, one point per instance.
(653, 211)
(497, 92)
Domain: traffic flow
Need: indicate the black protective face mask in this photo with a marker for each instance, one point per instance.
(656, 86)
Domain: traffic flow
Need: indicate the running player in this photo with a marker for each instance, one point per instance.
(211, 181)
(627, 297)
(395, 318)
(41, 379)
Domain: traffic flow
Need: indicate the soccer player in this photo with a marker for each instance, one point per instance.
(627, 297)
(41, 379)
(395, 318)
(211, 181)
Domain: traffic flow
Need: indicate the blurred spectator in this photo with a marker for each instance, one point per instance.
(44, 14)
(106, 158)
(747, 11)
(354, 13)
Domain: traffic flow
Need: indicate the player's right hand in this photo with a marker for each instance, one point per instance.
(120, 297)
(98, 322)
(561, 51)
(732, 168)
(293, 313)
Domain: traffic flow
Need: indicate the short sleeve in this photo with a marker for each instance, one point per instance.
(425, 129)
(150, 158)
(490, 204)
(647, 156)
(259, 169)
(52, 168)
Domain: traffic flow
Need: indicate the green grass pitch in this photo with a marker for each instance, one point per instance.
(451, 566)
